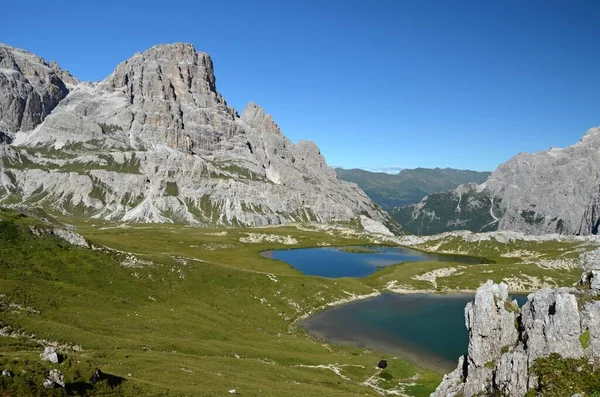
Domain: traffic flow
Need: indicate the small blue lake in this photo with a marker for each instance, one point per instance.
(334, 262)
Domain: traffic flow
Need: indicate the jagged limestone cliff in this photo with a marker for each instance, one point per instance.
(505, 342)
(30, 88)
(156, 142)
(553, 191)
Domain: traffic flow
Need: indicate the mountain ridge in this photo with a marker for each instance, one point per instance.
(409, 185)
(156, 142)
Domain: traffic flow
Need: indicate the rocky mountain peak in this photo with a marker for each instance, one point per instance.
(551, 191)
(256, 116)
(591, 137)
(64, 75)
(165, 97)
(29, 90)
(156, 142)
(168, 72)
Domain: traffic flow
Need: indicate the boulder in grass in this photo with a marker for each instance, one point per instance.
(54, 379)
(382, 364)
(50, 354)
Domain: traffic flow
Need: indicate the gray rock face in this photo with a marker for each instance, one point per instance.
(552, 324)
(485, 341)
(30, 88)
(156, 142)
(172, 100)
(504, 343)
(554, 191)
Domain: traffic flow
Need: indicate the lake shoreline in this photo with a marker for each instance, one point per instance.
(400, 347)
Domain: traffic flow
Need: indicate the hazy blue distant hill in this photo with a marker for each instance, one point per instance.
(410, 185)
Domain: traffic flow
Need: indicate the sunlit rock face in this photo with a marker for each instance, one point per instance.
(30, 88)
(504, 342)
(156, 142)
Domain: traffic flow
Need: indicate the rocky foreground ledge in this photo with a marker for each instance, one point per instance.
(505, 341)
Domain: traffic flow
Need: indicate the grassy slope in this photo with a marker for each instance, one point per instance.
(409, 186)
(179, 322)
(179, 326)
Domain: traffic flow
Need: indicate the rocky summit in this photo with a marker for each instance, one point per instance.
(29, 89)
(553, 191)
(156, 142)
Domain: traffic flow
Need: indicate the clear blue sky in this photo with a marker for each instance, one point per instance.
(464, 84)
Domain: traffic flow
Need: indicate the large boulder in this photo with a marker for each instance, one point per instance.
(50, 354)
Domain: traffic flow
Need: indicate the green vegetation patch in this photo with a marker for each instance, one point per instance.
(445, 211)
(171, 189)
(203, 309)
(565, 376)
(585, 339)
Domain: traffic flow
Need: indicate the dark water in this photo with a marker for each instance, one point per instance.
(332, 262)
(427, 329)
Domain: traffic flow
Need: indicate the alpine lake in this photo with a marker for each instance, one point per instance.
(427, 329)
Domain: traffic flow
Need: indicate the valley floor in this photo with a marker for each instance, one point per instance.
(180, 310)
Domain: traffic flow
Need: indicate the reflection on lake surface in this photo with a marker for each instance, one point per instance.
(427, 329)
(333, 262)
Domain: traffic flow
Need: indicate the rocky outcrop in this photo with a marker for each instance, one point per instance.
(54, 379)
(30, 88)
(504, 342)
(156, 142)
(70, 236)
(553, 191)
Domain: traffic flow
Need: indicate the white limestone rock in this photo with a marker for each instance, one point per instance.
(70, 236)
(373, 226)
(54, 379)
(504, 344)
(49, 354)
(156, 142)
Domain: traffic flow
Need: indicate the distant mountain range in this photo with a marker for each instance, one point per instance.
(409, 185)
(552, 191)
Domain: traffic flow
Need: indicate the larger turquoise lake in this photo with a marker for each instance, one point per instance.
(427, 329)
(334, 262)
